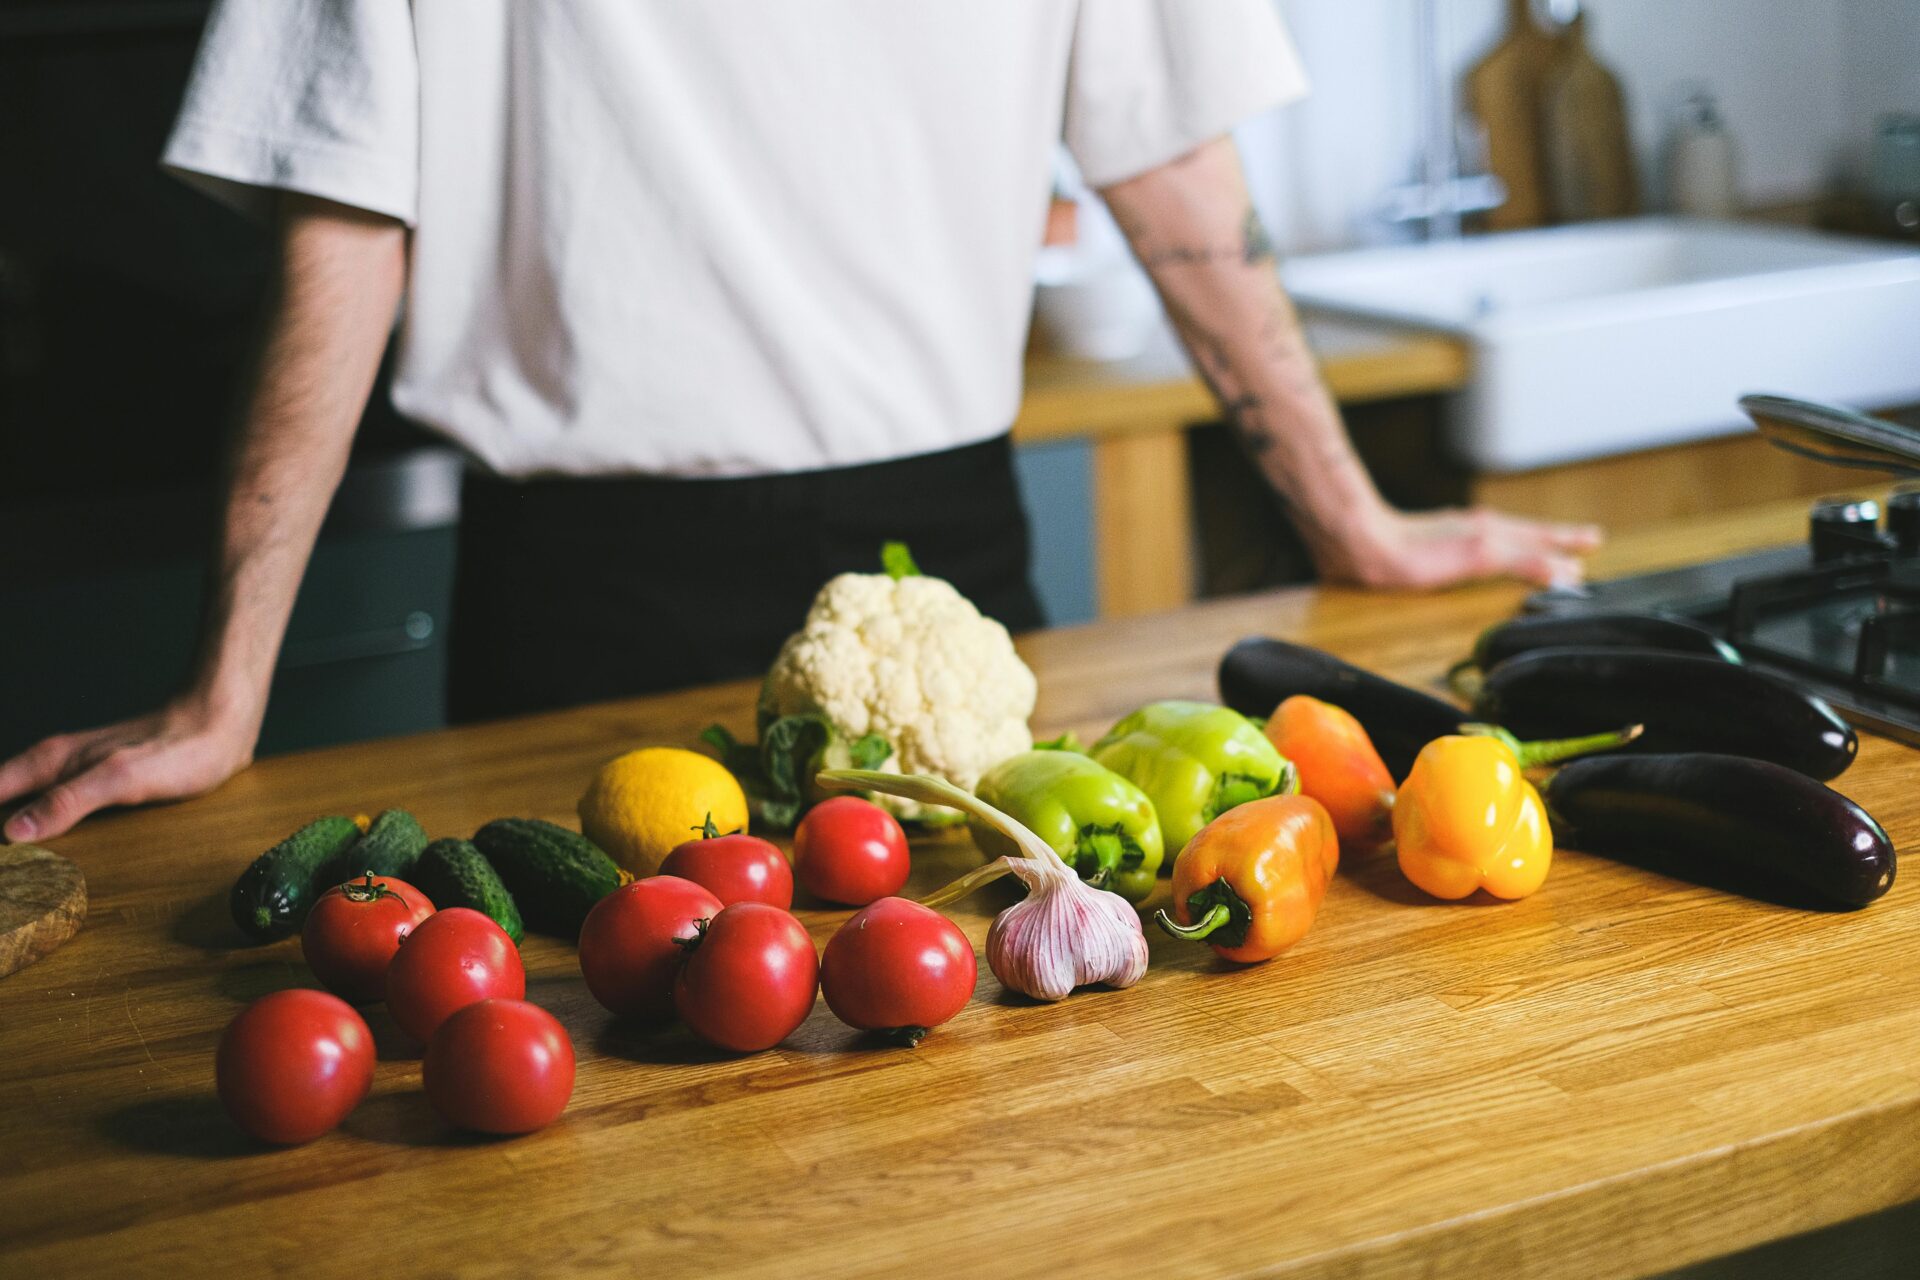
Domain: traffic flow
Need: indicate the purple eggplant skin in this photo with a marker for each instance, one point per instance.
(1751, 826)
(1604, 630)
(1258, 674)
(1686, 702)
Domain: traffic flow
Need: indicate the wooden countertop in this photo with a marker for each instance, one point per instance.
(1616, 1076)
(1065, 397)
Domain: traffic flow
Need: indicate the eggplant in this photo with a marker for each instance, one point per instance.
(1730, 822)
(1259, 673)
(1596, 630)
(1686, 702)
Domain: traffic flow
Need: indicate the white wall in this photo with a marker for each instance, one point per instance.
(1798, 81)
(1881, 47)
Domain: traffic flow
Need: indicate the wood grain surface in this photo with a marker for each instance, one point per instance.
(1616, 1076)
(43, 902)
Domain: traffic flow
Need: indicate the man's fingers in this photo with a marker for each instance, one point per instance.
(1548, 569)
(1577, 538)
(37, 768)
(1546, 555)
(112, 781)
(1574, 539)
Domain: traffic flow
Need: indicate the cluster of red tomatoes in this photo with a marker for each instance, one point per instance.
(711, 938)
(295, 1063)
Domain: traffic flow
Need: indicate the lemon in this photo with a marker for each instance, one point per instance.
(644, 803)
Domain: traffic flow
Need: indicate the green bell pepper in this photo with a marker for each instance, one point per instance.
(1195, 761)
(1100, 824)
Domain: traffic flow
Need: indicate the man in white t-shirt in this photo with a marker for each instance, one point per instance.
(717, 296)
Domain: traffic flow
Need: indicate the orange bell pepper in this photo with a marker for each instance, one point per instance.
(1338, 766)
(1467, 818)
(1250, 883)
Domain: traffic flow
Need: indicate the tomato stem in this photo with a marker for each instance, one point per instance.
(690, 945)
(367, 890)
(907, 1037)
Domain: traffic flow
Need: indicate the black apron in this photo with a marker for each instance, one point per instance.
(577, 590)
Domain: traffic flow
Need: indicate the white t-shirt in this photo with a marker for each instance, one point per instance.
(713, 237)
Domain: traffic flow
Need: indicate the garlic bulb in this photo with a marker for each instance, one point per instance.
(1064, 934)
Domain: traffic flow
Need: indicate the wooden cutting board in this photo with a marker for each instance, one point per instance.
(1589, 155)
(1503, 92)
(43, 900)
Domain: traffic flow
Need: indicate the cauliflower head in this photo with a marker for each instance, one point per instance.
(911, 661)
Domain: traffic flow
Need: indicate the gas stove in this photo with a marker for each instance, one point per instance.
(1839, 615)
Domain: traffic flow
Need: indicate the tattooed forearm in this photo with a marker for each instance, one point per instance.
(1254, 249)
(1244, 410)
(1256, 246)
(1194, 227)
(1243, 415)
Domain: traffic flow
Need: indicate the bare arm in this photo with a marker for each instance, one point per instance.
(340, 276)
(1192, 224)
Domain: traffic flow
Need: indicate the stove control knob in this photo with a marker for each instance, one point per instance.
(1844, 527)
(1903, 520)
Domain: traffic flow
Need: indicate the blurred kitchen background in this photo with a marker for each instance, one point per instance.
(1767, 153)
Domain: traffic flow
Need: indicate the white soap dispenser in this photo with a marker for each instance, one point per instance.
(1703, 167)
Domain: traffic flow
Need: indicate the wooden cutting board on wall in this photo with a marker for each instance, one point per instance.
(1503, 90)
(1589, 155)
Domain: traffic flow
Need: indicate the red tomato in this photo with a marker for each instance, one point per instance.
(630, 943)
(734, 868)
(851, 851)
(451, 959)
(352, 932)
(293, 1064)
(750, 980)
(898, 967)
(499, 1066)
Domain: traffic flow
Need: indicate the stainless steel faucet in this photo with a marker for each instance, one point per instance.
(1443, 194)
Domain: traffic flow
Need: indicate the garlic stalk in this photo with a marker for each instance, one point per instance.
(1064, 934)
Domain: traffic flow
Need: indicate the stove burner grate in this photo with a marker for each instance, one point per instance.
(1860, 598)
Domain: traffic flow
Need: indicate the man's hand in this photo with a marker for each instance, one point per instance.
(340, 279)
(1193, 226)
(182, 750)
(1432, 549)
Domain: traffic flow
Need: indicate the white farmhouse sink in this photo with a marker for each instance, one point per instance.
(1615, 336)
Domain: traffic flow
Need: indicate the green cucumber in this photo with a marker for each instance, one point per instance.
(390, 847)
(454, 873)
(555, 875)
(271, 897)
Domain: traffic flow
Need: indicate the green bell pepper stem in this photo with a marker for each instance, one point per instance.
(1194, 761)
(1535, 754)
(1215, 918)
(1099, 823)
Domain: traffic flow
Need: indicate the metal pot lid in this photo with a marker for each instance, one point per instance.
(1829, 433)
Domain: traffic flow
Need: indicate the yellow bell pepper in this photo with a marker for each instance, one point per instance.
(1466, 818)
